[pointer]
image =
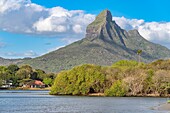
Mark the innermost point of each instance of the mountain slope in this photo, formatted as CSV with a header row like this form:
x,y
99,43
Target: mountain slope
x,y
104,44
5,62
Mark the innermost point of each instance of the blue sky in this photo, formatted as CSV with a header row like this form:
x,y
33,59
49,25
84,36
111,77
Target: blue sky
x,y
149,10
30,28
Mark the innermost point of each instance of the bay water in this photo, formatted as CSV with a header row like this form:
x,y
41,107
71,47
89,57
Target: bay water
x,y
25,101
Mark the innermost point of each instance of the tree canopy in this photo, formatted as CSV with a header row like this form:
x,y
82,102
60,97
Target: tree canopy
x,y
123,78
18,75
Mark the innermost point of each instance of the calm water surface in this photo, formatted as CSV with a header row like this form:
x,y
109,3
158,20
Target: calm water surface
x,y
40,102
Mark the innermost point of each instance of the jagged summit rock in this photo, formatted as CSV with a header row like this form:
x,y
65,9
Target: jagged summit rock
x,y
104,16
104,28
105,43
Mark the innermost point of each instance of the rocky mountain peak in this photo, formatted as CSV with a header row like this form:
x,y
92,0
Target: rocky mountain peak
x,y
105,15
105,29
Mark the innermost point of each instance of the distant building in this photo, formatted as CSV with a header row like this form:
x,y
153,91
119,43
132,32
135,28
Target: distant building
x,y
34,84
6,84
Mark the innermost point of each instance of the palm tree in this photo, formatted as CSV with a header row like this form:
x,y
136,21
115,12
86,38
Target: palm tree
x,y
139,52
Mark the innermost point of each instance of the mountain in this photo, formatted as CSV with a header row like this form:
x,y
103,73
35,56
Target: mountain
x,y
4,62
104,44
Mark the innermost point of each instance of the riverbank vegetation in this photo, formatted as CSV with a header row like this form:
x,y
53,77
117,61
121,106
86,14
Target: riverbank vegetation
x,y
14,76
123,78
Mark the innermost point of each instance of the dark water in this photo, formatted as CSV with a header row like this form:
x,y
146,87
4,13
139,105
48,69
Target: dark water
x,y
41,102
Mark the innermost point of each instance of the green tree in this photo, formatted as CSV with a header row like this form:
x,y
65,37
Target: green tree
x,y
117,89
13,68
124,78
81,80
1,82
148,83
34,76
51,75
40,74
4,73
48,81
24,72
139,52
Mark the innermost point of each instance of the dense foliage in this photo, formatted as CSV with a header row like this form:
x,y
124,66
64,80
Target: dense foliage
x,y
124,78
117,89
20,75
80,80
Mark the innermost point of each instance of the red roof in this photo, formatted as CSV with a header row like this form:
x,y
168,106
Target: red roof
x,y
35,82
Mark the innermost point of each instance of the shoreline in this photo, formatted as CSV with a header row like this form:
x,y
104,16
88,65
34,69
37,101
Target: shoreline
x,y
163,107
90,94
31,89
103,95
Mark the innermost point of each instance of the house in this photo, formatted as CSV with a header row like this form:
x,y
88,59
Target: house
x,y
34,84
6,84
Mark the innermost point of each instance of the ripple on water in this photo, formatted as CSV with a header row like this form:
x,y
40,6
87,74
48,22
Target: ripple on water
x,y
41,102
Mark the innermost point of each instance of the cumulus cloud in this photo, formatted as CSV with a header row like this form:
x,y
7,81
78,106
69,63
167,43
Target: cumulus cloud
x,y
9,5
63,21
158,32
23,16
18,15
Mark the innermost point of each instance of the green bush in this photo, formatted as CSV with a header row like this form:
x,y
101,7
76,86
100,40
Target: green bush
x,y
1,82
168,101
129,63
117,89
48,81
81,80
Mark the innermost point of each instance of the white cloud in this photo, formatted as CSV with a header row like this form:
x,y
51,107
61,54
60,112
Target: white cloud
x,y
20,15
158,32
64,21
128,24
29,53
77,29
9,5
23,16
154,31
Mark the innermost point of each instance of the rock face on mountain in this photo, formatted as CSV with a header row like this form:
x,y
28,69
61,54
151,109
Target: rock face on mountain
x,y
104,44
